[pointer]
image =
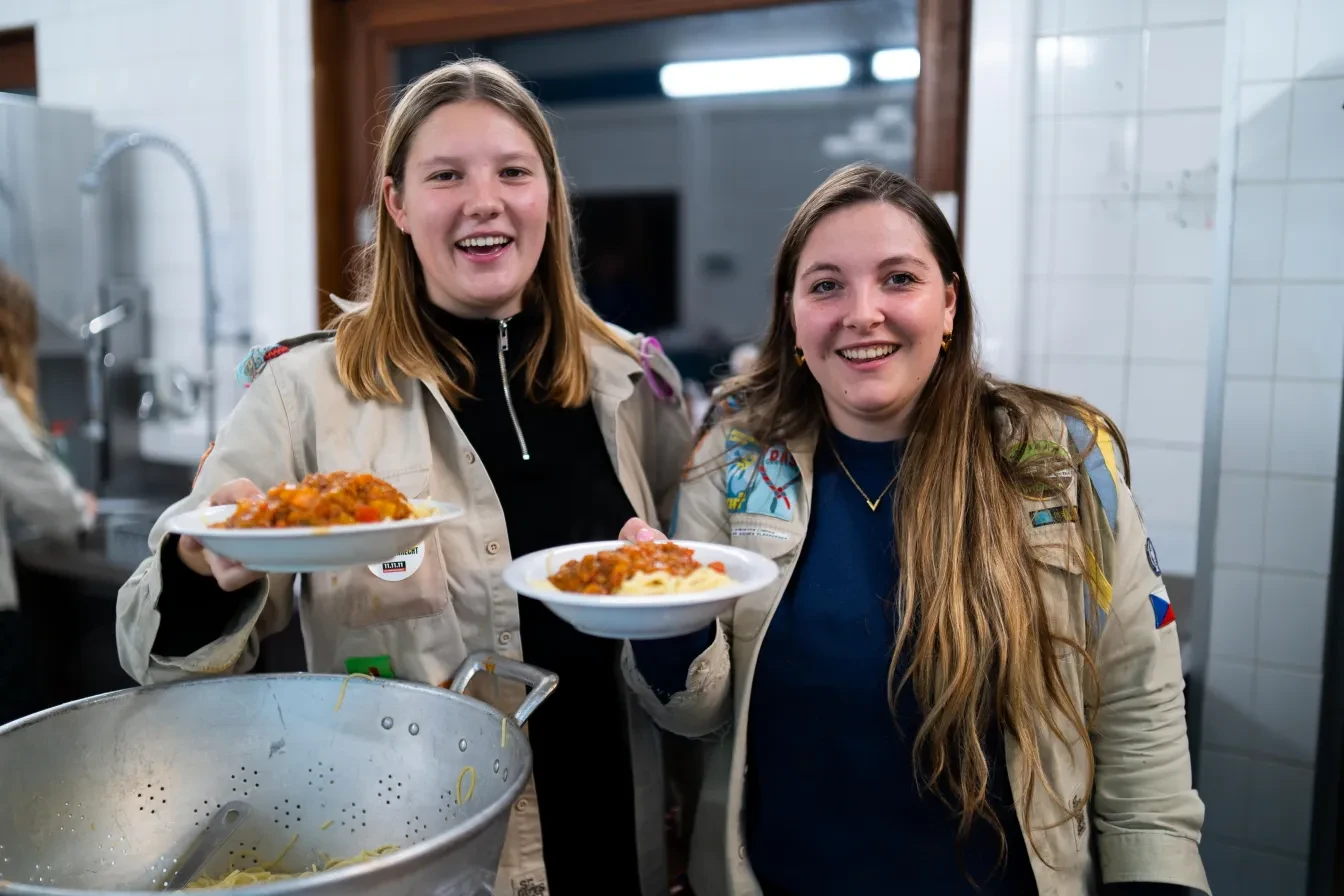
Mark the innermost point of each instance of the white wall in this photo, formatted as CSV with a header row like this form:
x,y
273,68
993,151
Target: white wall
x,y
230,81
1121,233
1089,221
995,240
1279,360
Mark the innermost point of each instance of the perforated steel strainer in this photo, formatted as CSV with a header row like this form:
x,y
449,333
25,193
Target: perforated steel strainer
x,y
106,794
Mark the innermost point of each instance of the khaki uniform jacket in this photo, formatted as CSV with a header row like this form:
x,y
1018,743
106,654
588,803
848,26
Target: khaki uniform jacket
x,y
1144,818
35,490
297,418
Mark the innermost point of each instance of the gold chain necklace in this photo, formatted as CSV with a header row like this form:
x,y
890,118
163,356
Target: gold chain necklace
x,y
871,502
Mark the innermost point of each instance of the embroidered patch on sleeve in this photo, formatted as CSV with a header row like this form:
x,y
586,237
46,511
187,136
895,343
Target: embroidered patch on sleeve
x,y
760,480
1048,516
1163,614
256,362
1152,558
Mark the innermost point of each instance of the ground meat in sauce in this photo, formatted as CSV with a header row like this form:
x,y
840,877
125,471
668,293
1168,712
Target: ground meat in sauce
x,y
605,571
322,499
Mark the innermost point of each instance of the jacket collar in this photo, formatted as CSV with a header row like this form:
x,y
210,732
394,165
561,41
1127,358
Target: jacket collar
x,y
614,373
804,450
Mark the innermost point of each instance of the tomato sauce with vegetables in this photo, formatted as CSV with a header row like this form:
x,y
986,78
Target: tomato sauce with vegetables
x,y
605,571
322,499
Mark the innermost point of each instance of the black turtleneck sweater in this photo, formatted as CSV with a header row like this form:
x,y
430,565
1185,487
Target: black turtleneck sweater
x,y
566,491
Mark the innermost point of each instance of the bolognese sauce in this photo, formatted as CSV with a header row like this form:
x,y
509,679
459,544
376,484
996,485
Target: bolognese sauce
x,y
322,499
605,571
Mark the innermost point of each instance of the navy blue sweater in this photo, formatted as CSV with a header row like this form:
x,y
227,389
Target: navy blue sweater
x,y
832,804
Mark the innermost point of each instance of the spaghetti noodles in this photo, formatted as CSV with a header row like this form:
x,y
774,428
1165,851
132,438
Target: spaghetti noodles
x,y
471,789
262,874
341,699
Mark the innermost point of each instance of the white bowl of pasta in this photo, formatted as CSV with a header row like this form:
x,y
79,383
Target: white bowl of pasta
x,y
613,589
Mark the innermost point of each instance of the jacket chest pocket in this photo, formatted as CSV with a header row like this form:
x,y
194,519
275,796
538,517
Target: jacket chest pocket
x,y
411,585
770,539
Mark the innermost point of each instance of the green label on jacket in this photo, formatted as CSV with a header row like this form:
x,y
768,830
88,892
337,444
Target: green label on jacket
x,y
377,666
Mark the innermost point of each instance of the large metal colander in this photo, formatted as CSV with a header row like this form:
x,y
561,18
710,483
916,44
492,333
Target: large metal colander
x,y
106,794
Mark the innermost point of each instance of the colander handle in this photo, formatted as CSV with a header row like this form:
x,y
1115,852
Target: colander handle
x,y
539,680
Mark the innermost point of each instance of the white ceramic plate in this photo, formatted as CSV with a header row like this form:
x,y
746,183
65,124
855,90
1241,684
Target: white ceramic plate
x,y
312,548
640,617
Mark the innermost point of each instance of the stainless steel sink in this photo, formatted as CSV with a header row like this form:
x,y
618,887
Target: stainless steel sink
x,y
118,507
122,530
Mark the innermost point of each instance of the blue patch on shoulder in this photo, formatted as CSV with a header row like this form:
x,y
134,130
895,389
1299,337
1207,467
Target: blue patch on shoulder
x,y
760,480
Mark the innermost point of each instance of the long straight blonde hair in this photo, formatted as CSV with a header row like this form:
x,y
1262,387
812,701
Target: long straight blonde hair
x,y
18,343
972,615
388,329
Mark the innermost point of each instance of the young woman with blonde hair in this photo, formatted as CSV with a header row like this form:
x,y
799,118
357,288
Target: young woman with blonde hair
x,y
35,488
967,679
472,371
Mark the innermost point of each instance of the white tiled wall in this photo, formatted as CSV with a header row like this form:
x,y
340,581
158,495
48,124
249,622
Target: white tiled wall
x,y
1137,128
230,81
1121,212
1276,466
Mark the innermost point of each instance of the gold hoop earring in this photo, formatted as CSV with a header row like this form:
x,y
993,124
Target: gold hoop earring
x,y
947,342
798,357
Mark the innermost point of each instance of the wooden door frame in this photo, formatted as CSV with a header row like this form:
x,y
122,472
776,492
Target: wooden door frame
x,y
353,42
18,59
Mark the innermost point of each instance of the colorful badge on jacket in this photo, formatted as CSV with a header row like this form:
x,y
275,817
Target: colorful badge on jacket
x,y
1163,614
760,480
1152,558
259,356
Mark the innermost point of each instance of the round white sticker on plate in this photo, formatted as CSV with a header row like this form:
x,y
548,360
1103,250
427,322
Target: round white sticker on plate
x,y
402,566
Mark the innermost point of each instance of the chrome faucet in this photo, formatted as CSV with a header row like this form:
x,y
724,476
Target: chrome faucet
x,y
95,360
91,181
105,321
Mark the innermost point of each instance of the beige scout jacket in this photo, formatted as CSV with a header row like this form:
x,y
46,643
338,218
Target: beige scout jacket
x,y
296,419
1144,816
35,489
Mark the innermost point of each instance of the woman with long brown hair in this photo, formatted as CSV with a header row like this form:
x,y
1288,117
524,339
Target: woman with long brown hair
x,y
471,369
967,679
35,488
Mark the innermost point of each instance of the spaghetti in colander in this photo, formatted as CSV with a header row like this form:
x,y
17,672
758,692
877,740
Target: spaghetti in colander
x,y
262,874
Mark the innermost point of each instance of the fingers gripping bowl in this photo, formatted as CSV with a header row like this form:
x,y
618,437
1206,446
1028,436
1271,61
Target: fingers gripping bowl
x,y
327,521
613,589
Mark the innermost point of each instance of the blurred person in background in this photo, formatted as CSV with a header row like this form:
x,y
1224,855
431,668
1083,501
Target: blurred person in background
x,y
967,679
470,369
37,492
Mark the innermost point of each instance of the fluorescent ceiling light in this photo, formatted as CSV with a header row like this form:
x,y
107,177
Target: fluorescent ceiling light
x,y
900,64
721,77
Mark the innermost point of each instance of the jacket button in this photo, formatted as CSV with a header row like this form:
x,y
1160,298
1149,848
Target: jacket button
x,y
492,548
505,637
742,852
471,457
521,805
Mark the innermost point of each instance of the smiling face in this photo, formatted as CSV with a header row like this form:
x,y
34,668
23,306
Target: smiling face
x,y
474,201
869,311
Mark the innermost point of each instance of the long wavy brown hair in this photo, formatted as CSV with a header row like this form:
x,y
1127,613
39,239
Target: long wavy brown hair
x,y
972,620
389,330
18,343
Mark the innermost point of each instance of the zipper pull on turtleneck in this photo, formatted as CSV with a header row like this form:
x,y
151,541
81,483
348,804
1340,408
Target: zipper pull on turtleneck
x,y
504,377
